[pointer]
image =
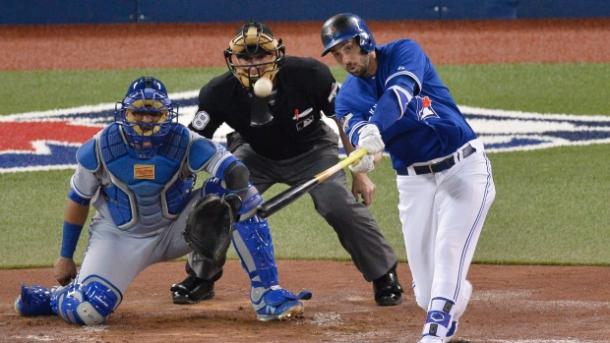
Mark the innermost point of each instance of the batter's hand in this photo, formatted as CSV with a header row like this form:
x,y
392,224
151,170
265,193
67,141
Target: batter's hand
x,y
365,165
64,270
370,139
363,187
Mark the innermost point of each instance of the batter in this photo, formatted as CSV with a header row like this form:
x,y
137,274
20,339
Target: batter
x,y
394,100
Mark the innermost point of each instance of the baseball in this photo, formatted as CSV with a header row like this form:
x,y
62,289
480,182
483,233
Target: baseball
x,y
263,87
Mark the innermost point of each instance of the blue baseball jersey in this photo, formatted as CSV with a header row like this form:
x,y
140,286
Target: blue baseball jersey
x,y
418,119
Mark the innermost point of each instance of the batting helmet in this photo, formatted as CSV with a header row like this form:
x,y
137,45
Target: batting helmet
x,y
344,27
146,114
251,41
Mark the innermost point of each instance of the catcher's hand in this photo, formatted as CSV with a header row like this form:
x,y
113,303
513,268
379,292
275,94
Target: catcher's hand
x,y
64,270
209,228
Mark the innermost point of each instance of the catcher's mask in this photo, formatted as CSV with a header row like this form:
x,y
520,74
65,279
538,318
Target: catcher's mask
x,y
254,53
146,114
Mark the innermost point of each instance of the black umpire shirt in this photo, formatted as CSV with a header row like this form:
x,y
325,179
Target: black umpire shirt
x,y
305,87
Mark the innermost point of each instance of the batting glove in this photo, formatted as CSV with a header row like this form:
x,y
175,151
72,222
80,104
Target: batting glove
x,y
370,139
365,165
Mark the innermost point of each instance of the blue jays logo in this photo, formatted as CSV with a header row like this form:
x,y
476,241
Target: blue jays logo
x,y
424,108
49,140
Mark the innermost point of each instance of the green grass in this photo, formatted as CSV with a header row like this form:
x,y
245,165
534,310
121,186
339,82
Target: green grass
x,y
557,88
43,90
551,205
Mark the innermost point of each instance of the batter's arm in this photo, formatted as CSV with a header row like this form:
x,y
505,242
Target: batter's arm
x,y
362,186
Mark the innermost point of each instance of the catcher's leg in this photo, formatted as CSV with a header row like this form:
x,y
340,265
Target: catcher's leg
x,y
252,241
87,303
34,300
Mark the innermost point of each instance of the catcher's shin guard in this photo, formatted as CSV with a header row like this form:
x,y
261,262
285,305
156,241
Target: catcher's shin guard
x,y
86,303
34,301
252,241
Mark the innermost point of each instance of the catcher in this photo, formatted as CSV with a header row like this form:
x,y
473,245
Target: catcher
x,y
139,173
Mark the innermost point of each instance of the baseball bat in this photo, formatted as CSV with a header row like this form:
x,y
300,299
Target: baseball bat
x,y
279,201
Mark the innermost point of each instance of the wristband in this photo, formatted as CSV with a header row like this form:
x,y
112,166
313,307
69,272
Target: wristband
x,y
71,232
78,199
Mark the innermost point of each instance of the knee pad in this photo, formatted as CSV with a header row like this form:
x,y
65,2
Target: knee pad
x,y
86,303
252,241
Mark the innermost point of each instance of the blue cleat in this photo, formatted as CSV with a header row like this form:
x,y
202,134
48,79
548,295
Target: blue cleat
x,y
277,303
34,301
465,298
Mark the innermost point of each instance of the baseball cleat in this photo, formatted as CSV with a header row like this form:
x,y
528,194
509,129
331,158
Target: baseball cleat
x,y
279,304
287,311
192,290
464,299
33,301
431,339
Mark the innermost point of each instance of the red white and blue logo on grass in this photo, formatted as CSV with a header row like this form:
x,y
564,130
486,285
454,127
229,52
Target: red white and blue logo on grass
x,y
49,139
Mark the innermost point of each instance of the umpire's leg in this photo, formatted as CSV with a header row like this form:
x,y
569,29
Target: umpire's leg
x,y
358,232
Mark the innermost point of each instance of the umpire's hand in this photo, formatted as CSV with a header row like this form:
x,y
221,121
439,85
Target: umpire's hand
x,y
64,270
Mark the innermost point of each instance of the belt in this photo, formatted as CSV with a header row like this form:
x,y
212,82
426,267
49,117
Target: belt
x,y
441,165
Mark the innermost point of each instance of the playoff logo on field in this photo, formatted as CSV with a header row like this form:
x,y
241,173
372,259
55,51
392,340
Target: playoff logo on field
x,y
49,140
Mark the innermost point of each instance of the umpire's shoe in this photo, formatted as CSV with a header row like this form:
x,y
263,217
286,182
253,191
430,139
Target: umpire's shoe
x,y
192,290
388,291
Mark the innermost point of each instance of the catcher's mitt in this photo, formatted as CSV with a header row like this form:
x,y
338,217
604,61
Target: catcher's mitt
x,y
209,228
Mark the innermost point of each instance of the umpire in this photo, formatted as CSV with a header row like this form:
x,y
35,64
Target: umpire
x,y
281,138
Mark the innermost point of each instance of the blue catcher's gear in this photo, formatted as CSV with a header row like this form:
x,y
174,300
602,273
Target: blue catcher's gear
x,y
34,301
86,303
344,27
146,115
244,202
252,241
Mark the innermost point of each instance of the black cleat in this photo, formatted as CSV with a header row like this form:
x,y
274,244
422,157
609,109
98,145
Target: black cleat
x,y
388,291
192,290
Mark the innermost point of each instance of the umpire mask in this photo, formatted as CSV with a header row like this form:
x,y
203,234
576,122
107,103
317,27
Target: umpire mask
x,y
254,53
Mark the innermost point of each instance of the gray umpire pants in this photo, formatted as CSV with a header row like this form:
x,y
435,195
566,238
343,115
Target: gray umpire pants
x,y
358,232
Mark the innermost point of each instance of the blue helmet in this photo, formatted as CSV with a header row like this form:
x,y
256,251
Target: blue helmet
x,y
344,27
146,115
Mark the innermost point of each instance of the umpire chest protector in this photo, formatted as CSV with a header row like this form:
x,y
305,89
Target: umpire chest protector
x,y
146,193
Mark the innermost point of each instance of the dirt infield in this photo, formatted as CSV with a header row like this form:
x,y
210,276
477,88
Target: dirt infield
x,y
509,304
525,304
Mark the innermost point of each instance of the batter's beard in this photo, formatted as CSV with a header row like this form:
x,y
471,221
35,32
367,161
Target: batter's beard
x,y
363,69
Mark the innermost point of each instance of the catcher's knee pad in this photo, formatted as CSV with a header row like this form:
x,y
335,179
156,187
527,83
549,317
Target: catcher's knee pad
x,y
87,303
252,241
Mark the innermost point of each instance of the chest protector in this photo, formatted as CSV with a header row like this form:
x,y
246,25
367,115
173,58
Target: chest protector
x,y
145,194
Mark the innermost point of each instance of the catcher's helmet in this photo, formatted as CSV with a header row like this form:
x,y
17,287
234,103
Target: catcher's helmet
x,y
146,114
343,27
253,40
